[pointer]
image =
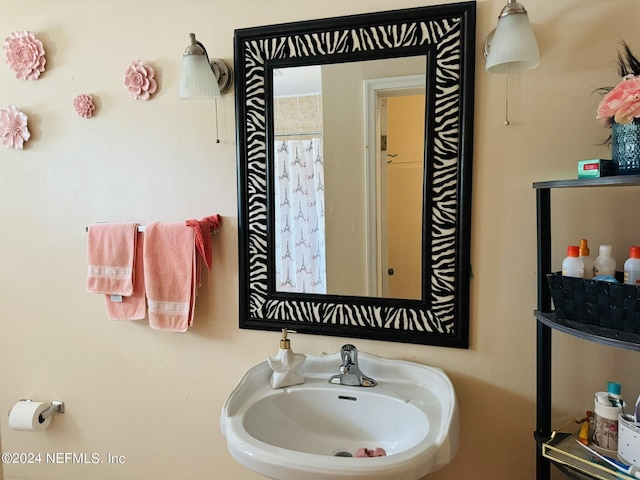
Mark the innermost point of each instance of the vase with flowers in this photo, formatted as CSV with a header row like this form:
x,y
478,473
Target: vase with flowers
x,y
619,110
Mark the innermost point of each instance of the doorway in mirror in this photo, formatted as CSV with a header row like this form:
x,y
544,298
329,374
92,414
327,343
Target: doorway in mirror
x,y
395,126
401,192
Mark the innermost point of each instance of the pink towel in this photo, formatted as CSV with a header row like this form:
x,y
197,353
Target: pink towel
x,y
133,307
111,251
203,229
170,271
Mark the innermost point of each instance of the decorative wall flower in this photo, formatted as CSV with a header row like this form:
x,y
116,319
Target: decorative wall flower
x,y
139,81
25,55
83,105
13,128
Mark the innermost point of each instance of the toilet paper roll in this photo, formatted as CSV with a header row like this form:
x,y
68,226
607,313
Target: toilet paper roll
x,y
25,415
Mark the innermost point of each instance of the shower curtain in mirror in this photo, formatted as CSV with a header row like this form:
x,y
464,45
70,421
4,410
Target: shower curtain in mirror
x,y
299,216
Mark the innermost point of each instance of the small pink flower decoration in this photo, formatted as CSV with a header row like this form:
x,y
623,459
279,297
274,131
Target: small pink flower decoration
x,y
13,128
622,103
139,81
25,55
84,105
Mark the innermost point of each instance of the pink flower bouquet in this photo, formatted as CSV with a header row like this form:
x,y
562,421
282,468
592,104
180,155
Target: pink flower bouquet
x,y
139,81
13,128
622,103
25,55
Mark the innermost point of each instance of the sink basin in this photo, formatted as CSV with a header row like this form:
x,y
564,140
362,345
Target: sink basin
x,y
310,430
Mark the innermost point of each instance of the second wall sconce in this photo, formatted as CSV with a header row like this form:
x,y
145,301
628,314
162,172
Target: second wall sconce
x,y
512,46
203,78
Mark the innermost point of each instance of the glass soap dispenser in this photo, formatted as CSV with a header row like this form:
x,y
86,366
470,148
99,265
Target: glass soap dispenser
x,y
285,364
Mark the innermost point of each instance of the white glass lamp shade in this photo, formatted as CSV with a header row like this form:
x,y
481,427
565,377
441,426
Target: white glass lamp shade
x,y
513,47
197,81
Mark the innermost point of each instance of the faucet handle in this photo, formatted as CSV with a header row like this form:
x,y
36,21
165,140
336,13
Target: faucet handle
x,y
350,373
349,354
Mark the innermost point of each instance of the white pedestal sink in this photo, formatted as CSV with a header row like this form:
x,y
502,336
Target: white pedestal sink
x,y
301,432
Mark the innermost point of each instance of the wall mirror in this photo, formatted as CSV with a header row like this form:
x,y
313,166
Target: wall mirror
x,y
355,139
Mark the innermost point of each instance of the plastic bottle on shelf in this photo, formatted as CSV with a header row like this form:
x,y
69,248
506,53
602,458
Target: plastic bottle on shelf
x,y
632,267
572,265
586,259
604,264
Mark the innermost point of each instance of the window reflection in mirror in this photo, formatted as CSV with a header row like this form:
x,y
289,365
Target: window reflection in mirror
x,y
347,190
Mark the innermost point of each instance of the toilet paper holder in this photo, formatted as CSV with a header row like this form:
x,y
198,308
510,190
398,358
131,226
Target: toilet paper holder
x,y
57,406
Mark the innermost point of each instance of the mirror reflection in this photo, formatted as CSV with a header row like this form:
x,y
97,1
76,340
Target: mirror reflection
x,y
348,192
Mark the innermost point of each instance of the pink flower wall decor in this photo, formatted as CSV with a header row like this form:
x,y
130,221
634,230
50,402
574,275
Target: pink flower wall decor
x,y
13,128
25,55
83,105
139,81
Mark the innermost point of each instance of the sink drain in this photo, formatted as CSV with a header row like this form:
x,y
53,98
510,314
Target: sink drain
x,y
343,454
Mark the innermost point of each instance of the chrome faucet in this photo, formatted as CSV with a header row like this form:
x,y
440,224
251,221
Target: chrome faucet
x,y
350,373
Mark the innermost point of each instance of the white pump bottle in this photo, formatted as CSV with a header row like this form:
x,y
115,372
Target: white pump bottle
x,y
285,365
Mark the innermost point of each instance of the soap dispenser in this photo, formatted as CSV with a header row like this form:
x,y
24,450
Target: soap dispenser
x,y
285,364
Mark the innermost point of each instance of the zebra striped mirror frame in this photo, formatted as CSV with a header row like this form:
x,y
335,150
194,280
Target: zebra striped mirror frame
x,y
445,34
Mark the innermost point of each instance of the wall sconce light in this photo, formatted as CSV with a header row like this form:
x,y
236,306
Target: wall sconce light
x,y
203,78
512,46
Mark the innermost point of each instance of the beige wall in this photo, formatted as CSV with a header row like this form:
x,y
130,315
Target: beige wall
x,y
346,181
155,397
